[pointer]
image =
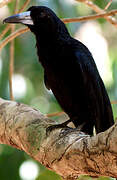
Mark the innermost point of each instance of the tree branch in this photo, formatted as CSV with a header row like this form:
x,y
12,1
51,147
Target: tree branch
x,y
67,151
65,20
10,25
11,64
4,3
99,10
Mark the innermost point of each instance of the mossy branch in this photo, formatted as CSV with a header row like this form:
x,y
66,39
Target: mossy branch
x,y
67,151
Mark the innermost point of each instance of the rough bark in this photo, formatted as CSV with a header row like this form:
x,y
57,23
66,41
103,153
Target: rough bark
x,y
67,151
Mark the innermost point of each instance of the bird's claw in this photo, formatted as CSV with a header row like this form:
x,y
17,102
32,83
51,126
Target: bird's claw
x,y
56,126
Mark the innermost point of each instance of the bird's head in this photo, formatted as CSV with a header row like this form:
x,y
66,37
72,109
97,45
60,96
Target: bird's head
x,y
39,19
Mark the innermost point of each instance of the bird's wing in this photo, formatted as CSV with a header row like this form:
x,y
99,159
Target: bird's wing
x,y
96,93
46,81
87,67
90,79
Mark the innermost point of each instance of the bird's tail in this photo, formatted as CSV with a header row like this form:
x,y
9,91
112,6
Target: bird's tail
x,y
106,115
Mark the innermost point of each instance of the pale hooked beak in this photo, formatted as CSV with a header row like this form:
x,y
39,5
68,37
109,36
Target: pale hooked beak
x,y
23,18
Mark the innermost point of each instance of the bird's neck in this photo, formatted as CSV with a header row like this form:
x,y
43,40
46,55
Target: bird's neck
x,y
50,43
48,39
44,41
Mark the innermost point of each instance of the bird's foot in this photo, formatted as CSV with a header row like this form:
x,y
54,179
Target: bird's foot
x,y
80,127
62,125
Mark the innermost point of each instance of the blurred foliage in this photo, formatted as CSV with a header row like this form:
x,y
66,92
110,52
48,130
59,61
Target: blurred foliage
x,y
27,65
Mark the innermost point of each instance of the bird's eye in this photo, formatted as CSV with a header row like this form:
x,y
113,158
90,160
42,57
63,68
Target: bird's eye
x,y
42,14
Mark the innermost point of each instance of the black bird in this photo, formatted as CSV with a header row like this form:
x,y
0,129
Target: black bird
x,y
69,70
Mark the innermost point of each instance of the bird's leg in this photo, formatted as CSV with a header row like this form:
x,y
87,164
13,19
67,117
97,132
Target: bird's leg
x,y
56,126
80,127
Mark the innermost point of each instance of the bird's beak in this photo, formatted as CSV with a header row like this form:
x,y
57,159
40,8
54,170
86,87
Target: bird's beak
x,y
23,18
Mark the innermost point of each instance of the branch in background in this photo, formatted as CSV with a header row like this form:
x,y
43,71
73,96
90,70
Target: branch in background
x,y
97,9
9,25
13,36
89,3
24,6
108,5
5,31
66,151
55,114
11,64
91,17
66,20
114,102
4,2
12,27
